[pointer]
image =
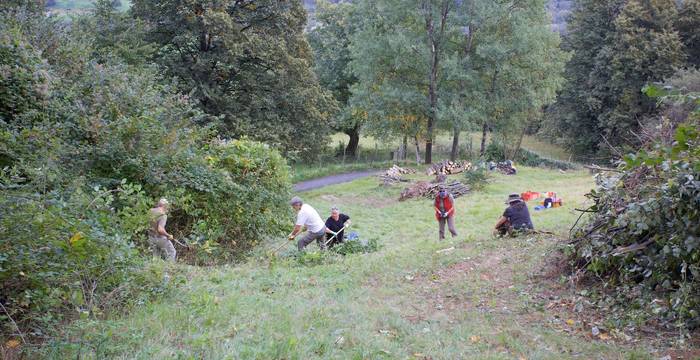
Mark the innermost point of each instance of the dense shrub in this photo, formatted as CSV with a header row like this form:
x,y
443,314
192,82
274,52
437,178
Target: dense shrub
x,y
477,177
643,239
494,152
87,145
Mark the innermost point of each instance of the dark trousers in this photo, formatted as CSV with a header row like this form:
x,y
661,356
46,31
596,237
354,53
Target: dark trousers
x,y
450,225
507,229
309,237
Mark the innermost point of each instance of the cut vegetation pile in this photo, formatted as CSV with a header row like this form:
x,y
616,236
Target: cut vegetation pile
x,y
643,240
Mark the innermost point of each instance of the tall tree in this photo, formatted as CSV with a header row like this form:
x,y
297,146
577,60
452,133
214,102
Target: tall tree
x,y
398,56
688,26
247,62
618,46
330,40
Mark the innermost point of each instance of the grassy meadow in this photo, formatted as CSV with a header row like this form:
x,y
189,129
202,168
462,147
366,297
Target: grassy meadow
x,y
473,296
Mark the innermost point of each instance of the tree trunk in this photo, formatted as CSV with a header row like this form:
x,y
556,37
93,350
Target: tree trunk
x,y
404,148
518,144
354,134
484,131
415,138
455,145
435,37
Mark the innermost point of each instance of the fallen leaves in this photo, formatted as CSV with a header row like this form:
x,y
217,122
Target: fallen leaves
x,y
12,343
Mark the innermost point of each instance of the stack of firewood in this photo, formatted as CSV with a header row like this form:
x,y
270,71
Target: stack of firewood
x,y
428,190
395,175
449,167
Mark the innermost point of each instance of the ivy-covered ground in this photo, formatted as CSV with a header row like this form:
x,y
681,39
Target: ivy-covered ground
x,y
415,298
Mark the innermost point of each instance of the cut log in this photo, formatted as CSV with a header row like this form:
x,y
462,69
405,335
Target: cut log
x,y
395,174
448,167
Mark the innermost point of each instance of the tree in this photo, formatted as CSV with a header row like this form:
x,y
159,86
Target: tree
x,y
246,62
330,40
398,56
618,46
643,48
688,25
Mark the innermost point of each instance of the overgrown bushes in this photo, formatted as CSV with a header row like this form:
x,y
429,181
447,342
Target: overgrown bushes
x,y
643,239
86,147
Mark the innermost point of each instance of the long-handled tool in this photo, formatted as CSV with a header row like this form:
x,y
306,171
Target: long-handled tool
x,y
281,246
187,246
335,235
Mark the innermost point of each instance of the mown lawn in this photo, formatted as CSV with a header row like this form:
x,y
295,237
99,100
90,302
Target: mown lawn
x,y
408,300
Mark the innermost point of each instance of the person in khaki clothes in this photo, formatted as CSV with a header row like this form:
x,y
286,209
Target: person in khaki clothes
x,y
158,238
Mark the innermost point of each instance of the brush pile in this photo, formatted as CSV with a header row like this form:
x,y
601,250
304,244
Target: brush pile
x,y
641,242
506,167
449,167
395,175
429,190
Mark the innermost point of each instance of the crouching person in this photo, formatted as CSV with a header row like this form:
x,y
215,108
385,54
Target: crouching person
x,y
307,217
158,238
335,226
516,217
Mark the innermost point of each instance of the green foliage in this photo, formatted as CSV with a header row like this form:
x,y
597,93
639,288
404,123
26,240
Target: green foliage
x,y
66,252
688,24
618,47
330,41
477,178
88,140
356,246
645,232
246,63
423,66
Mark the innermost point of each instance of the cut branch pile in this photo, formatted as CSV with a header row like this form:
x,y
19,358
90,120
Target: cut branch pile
x,y
449,167
395,175
428,190
506,168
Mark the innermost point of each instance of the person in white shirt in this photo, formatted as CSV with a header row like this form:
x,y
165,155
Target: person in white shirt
x,y
307,217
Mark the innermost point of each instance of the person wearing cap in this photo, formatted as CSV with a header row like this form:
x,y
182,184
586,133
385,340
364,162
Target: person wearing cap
x,y
515,218
307,217
335,224
158,238
445,211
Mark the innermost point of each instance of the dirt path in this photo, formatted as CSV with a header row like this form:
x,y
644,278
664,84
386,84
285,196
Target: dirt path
x,y
332,180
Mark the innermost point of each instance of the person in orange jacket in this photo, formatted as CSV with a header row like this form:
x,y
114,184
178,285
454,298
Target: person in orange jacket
x,y
445,211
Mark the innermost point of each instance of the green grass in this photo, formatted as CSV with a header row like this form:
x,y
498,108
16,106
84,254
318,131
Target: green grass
x,y
404,301
301,172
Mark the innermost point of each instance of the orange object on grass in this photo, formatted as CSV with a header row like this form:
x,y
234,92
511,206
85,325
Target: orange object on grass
x,y
529,195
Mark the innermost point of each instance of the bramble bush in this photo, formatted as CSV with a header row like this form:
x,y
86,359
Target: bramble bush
x,y
643,239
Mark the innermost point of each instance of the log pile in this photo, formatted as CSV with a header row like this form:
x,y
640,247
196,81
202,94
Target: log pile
x,y
428,190
395,175
449,167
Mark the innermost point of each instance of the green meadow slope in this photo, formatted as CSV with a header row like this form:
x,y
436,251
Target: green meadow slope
x,y
469,297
